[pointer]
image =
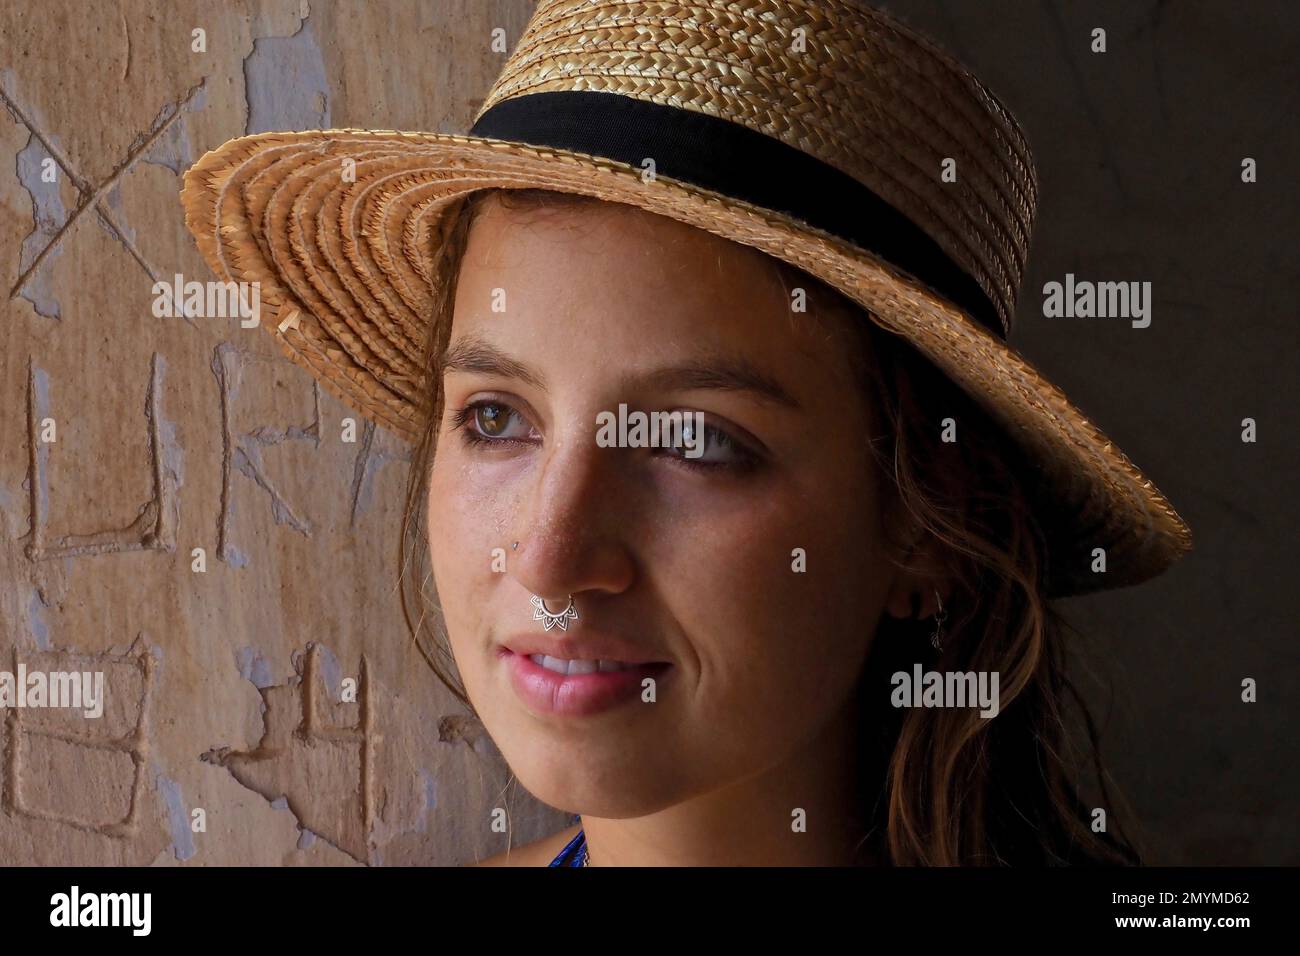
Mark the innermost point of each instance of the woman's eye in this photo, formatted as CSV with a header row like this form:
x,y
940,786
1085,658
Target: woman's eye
x,y
491,421
709,446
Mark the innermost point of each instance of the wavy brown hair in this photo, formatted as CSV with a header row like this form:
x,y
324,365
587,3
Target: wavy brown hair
x,y
940,786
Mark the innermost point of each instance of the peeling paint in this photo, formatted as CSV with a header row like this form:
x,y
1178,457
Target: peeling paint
x,y
430,799
41,390
253,667
178,819
173,148
332,672
113,199
8,510
48,216
48,211
36,620
363,486
285,84
243,453
364,474
306,839
297,757
170,454
368,462
247,459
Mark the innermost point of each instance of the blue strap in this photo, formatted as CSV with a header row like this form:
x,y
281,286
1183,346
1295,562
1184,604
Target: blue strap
x,y
571,855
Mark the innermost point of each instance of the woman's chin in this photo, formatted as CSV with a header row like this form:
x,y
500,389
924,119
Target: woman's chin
x,y
595,789
598,802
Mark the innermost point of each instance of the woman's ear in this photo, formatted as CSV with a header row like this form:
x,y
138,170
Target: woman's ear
x,y
922,581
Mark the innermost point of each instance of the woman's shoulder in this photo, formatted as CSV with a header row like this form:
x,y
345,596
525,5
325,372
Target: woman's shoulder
x,y
538,853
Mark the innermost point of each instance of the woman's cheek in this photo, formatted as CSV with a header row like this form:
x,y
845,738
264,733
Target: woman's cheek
x,y
746,597
802,565
462,534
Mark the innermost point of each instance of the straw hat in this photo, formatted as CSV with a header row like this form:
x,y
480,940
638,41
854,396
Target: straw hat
x,y
813,130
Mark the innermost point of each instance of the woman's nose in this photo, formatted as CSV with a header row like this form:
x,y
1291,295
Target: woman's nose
x,y
572,522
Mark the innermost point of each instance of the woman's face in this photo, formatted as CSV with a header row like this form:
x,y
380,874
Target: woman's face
x,y
748,580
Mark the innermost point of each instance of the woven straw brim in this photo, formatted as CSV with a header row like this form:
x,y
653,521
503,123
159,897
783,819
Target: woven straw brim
x,y
345,281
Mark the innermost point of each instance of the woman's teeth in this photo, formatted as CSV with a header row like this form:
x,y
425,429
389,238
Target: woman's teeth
x,y
578,667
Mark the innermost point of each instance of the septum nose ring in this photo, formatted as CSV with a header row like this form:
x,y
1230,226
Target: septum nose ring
x,y
550,620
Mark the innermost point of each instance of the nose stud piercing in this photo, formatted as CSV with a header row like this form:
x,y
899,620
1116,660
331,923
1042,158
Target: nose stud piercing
x,y
550,620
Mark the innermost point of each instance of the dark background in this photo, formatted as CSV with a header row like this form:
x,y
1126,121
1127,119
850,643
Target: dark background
x,y
1139,153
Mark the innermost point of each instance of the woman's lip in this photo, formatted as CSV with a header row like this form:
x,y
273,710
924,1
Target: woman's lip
x,y
575,695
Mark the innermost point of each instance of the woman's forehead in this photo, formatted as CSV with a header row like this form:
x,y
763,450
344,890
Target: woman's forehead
x,y
582,262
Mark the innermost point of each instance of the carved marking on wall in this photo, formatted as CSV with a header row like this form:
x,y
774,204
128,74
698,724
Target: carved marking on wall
x,y
30,736
303,754
154,529
369,460
90,195
243,452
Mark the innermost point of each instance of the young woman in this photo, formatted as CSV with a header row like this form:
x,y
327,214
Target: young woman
x,y
772,680
813,626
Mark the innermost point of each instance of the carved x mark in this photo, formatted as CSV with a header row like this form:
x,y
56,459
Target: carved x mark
x,y
91,196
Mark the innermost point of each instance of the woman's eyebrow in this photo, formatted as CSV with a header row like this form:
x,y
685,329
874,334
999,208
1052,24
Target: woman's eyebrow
x,y
719,372
471,354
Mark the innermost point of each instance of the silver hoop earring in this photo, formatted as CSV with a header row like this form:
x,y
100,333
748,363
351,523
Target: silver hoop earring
x,y
549,620
940,616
